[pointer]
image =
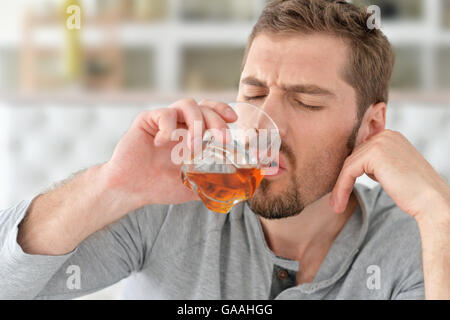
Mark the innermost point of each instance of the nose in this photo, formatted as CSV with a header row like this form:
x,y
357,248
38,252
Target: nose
x,y
273,106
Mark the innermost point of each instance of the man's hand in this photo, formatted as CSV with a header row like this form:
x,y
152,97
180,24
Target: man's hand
x,y
140,172
416,188
405,175
141,165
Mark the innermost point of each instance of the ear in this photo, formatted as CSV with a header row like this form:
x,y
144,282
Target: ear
x,y
374,122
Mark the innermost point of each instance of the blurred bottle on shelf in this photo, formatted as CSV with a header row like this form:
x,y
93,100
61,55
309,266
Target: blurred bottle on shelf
x,y
109,9
217,10
211,68
73,50
148,10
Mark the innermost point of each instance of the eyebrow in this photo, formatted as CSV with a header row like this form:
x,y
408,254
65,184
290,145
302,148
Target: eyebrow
x,y
299,88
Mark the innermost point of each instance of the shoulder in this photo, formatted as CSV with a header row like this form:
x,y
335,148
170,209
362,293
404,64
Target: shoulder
x,y
386,220
392,241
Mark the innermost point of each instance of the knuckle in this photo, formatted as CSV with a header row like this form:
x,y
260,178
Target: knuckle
x,y
222,106
391,133
216,105
205,102
381,137
189,101
388,133
141,114
211,116
377,148
213,120
144,115
347,164
168,112
389,136
184,103
398,134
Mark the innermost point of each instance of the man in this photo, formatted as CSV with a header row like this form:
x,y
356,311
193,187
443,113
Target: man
x,y
308,232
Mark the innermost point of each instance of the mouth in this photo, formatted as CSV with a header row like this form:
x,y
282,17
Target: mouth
x,y
282,168
282,164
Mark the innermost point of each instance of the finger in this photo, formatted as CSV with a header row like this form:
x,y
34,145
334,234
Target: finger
x,y
371,176
352,169
166,121
189,113
223,109
215,125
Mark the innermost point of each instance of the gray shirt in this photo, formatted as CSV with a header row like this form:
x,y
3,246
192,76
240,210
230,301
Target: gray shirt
x,y
188,252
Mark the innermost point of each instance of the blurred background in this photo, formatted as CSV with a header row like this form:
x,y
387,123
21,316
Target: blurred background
x,y
67,96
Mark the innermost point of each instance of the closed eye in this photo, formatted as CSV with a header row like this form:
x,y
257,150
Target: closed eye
x,y
254,98
314,108
309,107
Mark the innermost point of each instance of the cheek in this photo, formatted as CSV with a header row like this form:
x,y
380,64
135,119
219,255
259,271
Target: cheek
x,y
322,129
319,140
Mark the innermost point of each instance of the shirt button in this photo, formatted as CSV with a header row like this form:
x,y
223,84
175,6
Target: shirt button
x,y
282,274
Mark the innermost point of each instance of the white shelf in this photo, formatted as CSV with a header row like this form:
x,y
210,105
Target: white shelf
x,y
131,34
187,33
211,34
168,38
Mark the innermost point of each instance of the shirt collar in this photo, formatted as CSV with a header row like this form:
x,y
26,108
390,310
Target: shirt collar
x,y
342,252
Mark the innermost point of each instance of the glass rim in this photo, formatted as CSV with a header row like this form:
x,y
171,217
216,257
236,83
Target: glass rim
x,y
235,103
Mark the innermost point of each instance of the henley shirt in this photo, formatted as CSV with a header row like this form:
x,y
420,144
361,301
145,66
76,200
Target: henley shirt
x,y
188,252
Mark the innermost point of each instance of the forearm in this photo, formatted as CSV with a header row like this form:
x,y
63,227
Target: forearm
x,y
435,235
58,221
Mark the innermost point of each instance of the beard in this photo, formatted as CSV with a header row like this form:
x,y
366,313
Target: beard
x,y
298,193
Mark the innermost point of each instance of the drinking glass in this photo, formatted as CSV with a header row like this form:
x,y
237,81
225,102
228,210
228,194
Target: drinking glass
x,y
231,164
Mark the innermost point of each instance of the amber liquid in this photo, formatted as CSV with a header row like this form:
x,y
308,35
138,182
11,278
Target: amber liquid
x,y
230,188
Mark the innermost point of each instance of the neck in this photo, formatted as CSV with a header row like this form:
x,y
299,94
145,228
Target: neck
x,y
315,227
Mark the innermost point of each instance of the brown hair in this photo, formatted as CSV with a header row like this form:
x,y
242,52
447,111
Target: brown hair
x,y
371,57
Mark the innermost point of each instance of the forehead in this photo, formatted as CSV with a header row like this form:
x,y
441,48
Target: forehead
x,y
318,58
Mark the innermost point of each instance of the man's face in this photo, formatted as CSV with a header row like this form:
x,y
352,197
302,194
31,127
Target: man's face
x,y
298,81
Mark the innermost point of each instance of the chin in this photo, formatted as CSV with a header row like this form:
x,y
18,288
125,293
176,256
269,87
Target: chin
x,y
276,200
273,184
269,190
